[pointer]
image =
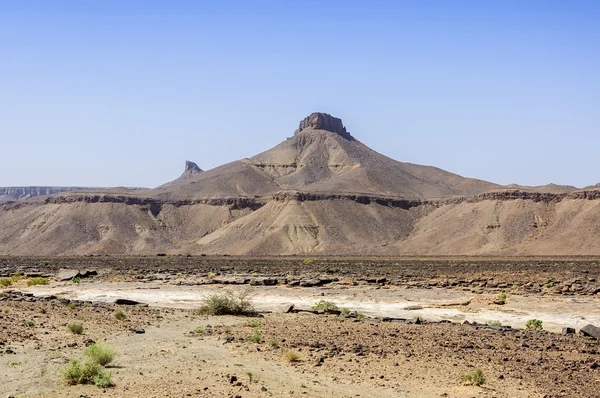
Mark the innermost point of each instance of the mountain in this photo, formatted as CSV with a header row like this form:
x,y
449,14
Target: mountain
x,y
320,191
322,157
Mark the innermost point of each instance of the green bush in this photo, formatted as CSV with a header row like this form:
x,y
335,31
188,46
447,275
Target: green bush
x,y
495,323
475,377
325,306
534,324
103,380
100,353
29,324
228,304
5,282
501,299
307,261
120,315
87,372
256,336
43,310
76,328
38,280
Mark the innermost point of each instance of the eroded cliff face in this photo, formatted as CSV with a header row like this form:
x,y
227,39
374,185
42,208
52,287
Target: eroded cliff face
x,y
504,223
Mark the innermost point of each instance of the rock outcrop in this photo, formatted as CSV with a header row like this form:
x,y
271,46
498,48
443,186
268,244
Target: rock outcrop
x,y
323,121
191,169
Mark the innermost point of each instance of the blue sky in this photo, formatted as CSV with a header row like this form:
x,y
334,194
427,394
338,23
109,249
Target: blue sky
x,y
108,93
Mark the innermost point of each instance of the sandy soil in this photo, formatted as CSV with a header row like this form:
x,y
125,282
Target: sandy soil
x,y
161,355
339,357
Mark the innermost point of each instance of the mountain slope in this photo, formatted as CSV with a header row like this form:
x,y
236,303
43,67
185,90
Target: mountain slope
x,y
322,157
320,191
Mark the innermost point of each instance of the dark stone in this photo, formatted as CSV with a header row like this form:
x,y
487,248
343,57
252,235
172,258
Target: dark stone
x,y
123,301
591,331
323,121
67,274
88,272
568,330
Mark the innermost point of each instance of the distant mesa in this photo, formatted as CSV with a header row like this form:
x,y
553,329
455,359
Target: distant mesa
x,y
323,121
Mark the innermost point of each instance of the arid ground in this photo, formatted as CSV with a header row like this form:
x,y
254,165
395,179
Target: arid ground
x,y
414,326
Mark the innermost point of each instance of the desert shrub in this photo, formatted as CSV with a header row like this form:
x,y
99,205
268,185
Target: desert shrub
x,y
103,380
291,356
344,312
325,306
38,280
495,323
211,275
253,323
255,337
29,323
120,315
76,327
534,324
501,298
308,261
100,353
273,343
475,377
5,282
72,306
227,304
87,372
43,310
76,279
16,277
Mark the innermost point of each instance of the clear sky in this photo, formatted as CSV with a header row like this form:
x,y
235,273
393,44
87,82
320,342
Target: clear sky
x,y
109,93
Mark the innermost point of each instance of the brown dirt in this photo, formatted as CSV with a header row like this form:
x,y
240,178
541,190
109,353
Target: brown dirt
x,y
339,357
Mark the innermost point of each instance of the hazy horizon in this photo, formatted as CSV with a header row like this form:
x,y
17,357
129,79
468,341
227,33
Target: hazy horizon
x,y
122,93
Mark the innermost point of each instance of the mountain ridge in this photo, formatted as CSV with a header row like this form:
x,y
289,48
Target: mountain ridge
x,y
321,191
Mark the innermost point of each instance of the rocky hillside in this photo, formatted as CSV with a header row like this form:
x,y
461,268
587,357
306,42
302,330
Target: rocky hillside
x,y
320,191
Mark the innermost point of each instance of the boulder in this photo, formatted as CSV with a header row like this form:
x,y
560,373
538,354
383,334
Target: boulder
x,y
124,301
591,331
65,274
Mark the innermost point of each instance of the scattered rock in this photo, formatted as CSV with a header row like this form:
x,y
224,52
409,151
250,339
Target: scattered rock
x,y
568,330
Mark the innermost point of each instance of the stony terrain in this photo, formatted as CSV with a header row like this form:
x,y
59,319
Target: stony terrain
x,y
175,353
555,276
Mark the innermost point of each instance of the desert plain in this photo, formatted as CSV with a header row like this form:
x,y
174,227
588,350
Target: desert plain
x,y
400,327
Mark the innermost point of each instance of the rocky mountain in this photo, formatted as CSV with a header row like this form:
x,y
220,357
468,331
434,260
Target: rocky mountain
x,y
321,191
